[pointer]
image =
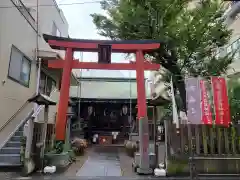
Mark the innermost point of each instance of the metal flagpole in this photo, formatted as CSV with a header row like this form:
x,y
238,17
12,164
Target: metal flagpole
x,y
80,88
130,108
78,100
30,123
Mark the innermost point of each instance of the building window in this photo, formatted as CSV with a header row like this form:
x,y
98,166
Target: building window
x,y
55,31
47,84
19,67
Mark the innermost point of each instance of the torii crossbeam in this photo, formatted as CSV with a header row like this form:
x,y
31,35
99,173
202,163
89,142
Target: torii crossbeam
x,y
104,47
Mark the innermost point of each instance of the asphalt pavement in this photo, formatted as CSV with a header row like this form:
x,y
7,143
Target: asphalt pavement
x,y
122,178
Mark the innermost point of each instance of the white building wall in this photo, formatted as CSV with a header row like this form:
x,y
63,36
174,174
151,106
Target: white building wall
x,y
18,28
49,14
14,30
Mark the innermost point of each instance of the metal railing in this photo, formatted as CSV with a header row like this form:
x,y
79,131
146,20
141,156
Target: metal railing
x,y
32,114
14,115
25,12
59,10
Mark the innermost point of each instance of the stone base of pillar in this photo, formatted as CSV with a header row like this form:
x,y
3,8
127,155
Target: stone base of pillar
x,y
144,171
29,166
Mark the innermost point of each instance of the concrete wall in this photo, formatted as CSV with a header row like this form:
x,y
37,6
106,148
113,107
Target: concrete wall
x,y
49,14
18,28
14,30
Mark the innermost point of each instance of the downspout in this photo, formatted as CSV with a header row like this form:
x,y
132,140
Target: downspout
x,y
38,60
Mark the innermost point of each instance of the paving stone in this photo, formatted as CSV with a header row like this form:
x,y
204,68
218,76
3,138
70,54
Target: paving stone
x,y
101,164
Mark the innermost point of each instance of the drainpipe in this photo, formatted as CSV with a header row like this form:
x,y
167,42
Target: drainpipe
x,y
28,163
38,60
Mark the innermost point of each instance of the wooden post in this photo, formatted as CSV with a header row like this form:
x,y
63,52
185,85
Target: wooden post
x,y
197,135
166,125
219,140
155,134
233,140
205,140
190,150
211,132
44,134
226,140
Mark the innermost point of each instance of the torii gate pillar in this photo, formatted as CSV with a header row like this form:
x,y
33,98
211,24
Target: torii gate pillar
x,y
137,47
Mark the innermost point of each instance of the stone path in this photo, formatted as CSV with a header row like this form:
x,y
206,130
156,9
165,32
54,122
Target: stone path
x,y
121,178
126,164
75,166
101,163
9,173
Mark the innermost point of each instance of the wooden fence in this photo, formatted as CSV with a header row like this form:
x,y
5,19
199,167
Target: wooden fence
x,y
216,149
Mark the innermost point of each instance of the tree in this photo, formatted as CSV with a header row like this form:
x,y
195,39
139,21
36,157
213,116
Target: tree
x,y
189,36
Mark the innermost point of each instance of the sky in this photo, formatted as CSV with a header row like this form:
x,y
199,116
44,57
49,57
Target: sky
x,y
82,27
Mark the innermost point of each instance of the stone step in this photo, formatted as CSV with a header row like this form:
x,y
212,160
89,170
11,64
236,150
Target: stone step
x,y
21,128
10,158
13,144
9,165
10,150
19,133
16,138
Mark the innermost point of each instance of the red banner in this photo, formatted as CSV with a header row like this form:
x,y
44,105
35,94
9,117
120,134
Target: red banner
x,y
206,109
221,104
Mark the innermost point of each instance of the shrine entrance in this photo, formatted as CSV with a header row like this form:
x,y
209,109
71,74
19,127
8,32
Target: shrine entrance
x,y
105,48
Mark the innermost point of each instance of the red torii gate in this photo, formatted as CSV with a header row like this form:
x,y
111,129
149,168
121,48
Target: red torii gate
x,y
104,48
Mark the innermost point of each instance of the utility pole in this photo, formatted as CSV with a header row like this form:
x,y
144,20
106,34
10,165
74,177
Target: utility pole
x,y
29,165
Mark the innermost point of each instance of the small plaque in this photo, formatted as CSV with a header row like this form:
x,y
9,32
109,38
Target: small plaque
x,y
104,53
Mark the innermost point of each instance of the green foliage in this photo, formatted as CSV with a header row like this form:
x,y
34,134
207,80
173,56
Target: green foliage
x,y
176,167
58,148
234,98
189,36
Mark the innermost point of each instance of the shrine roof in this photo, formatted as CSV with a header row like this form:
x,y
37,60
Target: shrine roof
x,y
107,89
48,38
